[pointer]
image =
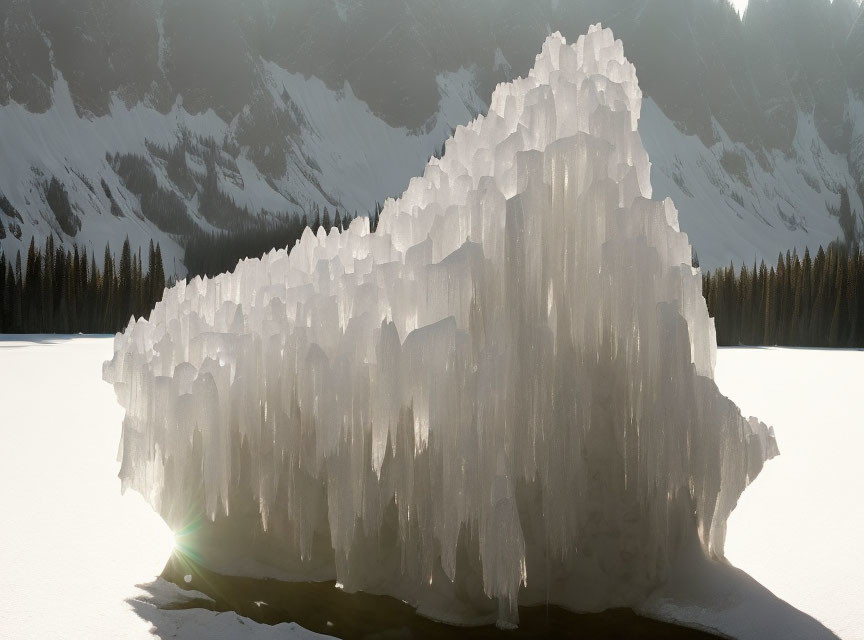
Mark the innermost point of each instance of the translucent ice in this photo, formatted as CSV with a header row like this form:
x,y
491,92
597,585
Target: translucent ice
x,y
502,396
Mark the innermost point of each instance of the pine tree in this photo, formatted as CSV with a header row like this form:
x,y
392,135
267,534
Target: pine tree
x,y
3,303
17,299
124,284
769,308
859,294
377,216
46,301
325,220
816,327
157,276
77,301
27,297
738,291
91,307
800,282
787,300
835,333
852,300
11,303
107,294
137,285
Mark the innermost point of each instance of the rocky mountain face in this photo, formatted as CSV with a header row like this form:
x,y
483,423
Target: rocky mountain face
x,y
152,118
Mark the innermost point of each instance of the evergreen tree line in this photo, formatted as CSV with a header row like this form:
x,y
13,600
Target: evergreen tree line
x,y
211,253
61,290
57,290
797,302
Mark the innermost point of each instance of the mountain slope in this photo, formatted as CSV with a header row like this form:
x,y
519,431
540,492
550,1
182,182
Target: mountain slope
x,y
149,118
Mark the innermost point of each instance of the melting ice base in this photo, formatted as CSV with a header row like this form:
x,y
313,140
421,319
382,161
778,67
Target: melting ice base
x,y
502,396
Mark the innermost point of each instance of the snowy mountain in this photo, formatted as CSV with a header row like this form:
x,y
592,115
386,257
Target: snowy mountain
x,y
149,118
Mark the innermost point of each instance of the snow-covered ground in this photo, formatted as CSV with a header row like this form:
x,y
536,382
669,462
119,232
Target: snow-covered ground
x,y
797,529
72,549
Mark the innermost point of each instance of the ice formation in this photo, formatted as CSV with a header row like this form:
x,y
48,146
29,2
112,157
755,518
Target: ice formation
x,y
504,395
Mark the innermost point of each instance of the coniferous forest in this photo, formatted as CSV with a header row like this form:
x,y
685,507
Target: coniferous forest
x,y
810,302
57,290
208,254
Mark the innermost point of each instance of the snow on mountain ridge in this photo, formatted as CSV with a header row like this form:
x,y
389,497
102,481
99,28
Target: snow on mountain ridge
x,y
737,210
389,77
336,135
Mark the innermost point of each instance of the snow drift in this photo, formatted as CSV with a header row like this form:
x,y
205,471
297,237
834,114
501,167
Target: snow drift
x,y
504,395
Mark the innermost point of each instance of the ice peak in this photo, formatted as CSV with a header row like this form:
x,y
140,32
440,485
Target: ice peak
x,y
507,386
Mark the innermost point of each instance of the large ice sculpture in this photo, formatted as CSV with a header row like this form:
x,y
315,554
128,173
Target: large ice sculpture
x,y
502,396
